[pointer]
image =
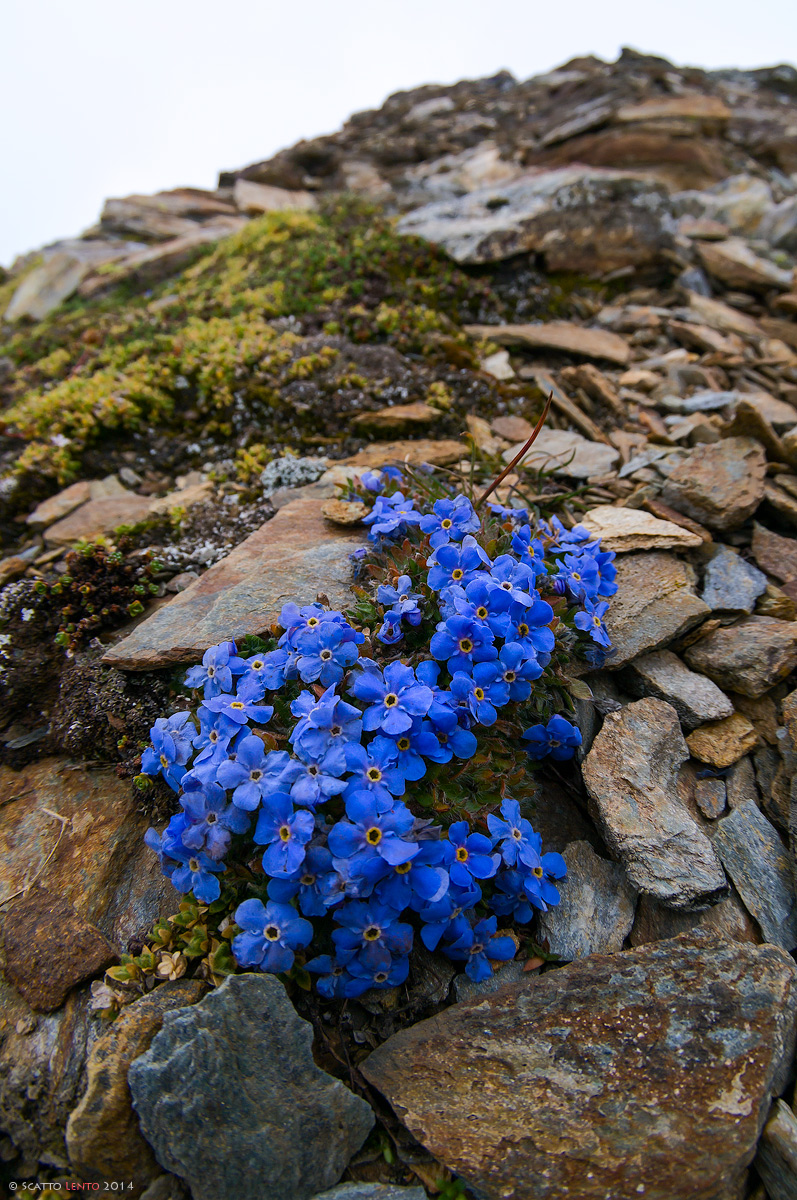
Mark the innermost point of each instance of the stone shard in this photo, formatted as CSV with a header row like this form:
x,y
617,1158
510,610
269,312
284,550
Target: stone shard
x,y
733,263
775,554
722,743
292,557
254,198
371,1191
748,657
694,697
728,920
757,861
49,949
631,774
380,454
596,911
558,335
565,453
398,418
102,1134
231,1101
626,529
55,507
98,517
46,287
720,485
655,603
647,1073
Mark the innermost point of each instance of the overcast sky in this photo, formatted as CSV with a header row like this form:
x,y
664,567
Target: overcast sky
x,y
103,99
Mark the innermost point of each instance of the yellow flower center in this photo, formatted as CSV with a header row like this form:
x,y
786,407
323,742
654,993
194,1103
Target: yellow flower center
x,y
537,871
271,933
478,693
391,700
164,761
462,854
237,704
481,612
445,524
372,933
510,676
465,645
374,774
403,743
285,833
404,868
373,836
523,629
457,574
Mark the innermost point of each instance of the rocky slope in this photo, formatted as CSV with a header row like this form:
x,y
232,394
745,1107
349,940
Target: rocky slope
x,y
621,236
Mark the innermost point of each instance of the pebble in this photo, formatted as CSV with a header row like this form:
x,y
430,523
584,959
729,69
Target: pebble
x,y
596,911
565,453
655,603
626,529
711,797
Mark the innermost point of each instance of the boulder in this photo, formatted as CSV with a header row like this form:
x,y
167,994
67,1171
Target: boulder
x,y
626,529
776,1160
735,265
748,657
722,743
46,287
565,453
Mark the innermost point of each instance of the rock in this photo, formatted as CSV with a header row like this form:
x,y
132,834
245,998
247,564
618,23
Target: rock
x,y
291,557
498,365
558,335
722,317
514,429
231,1101
182,498
625,529
655,603
503,973
777,413
776,1160
731,584
757,862
102,1135
775,554
100,865
722,743
690,1034
599,388
46,287
253,198
695,698
565,453
381,454
728,920
97,518
371,1191
49,949
579,218
779,228
719,485
661,108
748,657
59,506
630,774
483,437
733,263
596,911
399,418
147,267
344,512
711,797
782,502
12,567
165,215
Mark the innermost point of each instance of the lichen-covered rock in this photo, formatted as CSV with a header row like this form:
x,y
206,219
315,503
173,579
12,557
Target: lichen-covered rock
x,y
720,485
230,1099
655,603
647,1073
630,774
748,657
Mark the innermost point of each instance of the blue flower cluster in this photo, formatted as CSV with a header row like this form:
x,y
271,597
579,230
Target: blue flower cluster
x,y
328,816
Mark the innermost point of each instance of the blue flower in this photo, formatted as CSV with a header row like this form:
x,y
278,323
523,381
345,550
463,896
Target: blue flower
x,y
376,967
401,599
517,515
463,642
372,831
194,873
309,883
172,746
513,578
390,514
284,832
608,572
537,885
472,696
517,668
366,923
219,664
265,672
168,845
334,981
271,934
327,722
529,550
411,745
445,919
240,708
579,572
394,697
482,602
390,630
558,738
513,902
451,519
591,621
212,819
473,857
518,840
309,618
325,655
456,564
374,770
453,741
253,773
313,780
215,733
530,628
421,881
479,947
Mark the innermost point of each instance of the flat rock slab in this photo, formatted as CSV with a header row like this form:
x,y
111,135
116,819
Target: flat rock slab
x,y
719,485
293,556
54,508
49,949
626,529
380,454
694,697
559,335
631,776
98,517
230,1099
655,603
757,861
647,1073
596,912
775,554
748,657
372,1191
566,453
722,743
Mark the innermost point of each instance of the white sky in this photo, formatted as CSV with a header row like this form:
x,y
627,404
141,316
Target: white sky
x,y
101,98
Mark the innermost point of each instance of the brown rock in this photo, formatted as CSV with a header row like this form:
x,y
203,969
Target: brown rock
x,y
722,317
380,454
782,502
49,949
58,506
598,387
483,436
662,674
626,529
695,106
399,418
514,429
164,215
150,266
12,568
711,797
733,263
292,557
728,920
253,198
722,743
46,287
748,657
655,603
775,554
344,512
103,1136
647,1073
558,335
630,774
719,485
97,518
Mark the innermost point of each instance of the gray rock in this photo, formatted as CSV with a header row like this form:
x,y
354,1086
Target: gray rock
x,y
630,774
757,861
566,453
694,697
728,920
655,603
748,657
779,226
720,485
776,1161
46,287
711,797
731,584
596,911
371,1191
646,1073
472,989
230,1099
